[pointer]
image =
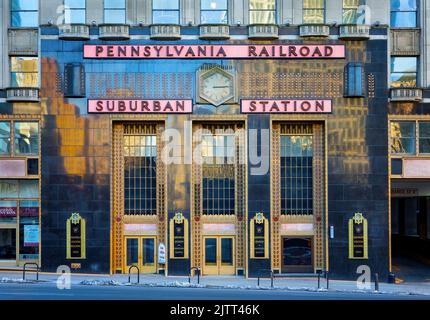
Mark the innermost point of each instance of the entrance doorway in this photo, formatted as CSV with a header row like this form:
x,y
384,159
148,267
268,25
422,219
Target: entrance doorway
x,y
140,252
297,255
8,245
218,255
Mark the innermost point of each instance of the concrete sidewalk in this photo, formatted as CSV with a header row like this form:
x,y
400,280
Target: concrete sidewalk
x,y
222,282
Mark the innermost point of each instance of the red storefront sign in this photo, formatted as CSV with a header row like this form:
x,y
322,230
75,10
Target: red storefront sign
x,y
164,51
286,106
7,212
140,106
29,211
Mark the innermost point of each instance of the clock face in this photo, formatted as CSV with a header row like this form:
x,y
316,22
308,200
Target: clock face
x,y
217,87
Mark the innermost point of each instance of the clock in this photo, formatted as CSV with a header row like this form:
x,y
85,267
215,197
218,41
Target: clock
x,y
216,85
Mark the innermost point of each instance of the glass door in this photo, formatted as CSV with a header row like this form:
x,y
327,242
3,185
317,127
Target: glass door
x,y
140,252
219,256
148,264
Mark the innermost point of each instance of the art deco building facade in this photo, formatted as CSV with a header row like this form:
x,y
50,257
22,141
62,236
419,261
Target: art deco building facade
x,y
239,137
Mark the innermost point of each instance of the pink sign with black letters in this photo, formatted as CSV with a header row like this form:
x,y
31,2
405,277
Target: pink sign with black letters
x,y
184,51
286,106
140,106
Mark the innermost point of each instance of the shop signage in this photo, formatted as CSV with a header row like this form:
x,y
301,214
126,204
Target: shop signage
x,y
140,106
31,235
404,192
29,211
7,212
162,253
286,106
164,51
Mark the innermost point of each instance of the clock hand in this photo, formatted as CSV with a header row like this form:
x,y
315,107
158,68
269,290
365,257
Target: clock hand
x,y
219,87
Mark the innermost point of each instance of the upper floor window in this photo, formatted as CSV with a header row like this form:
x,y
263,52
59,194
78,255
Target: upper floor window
x,y
404,72
351,13
74,11
262,11
313,11
24,13
26,140
114,11
5,138
165,11
24,71
213,11
403,137
424,136
403,13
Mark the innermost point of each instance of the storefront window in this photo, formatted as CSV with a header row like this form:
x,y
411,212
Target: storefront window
x,y
313,11
74,11
29,230
24,13
213,11
404,72
4,138
296,175
351,14
262,11
424,134
403,13
403,137
19,189
8,211
165,11
24,71
8,189
7,244
114,11
26,137
28,189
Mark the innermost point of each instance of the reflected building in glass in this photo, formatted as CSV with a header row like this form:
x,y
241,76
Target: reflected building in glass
x,y
237,137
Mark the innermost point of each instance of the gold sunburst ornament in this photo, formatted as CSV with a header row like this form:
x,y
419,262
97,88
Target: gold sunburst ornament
x,y
358,218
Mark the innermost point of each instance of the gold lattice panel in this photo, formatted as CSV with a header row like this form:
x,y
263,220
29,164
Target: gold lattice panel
x,y
276,196
240,197
319,195
161,187
196,197
117,197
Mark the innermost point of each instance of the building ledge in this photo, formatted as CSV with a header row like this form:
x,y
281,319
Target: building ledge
x,y
314,30
22,94
74,32
263,31
354,32
406,94
114,31
23,41
214,31
165,32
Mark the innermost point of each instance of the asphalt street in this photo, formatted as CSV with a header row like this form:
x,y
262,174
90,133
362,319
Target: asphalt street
x,y
49,291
